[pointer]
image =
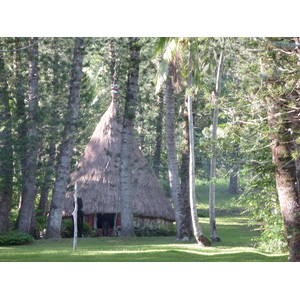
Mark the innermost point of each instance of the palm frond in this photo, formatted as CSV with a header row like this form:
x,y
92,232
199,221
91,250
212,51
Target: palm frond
x,y
168,55
161,75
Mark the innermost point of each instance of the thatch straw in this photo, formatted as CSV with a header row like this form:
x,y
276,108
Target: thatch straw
x,y
98,173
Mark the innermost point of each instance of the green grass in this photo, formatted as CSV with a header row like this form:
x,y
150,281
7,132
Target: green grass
x,y
236,246
236,241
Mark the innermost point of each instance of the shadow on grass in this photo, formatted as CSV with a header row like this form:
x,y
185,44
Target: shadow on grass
x,y
236,246
146,256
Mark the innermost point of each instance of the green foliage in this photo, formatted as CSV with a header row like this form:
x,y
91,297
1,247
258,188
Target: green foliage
x,y
40,221
243,134
14,238
155,231
224,200
260,199
67,229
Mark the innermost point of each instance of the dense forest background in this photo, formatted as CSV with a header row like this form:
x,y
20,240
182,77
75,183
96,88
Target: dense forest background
x,y
48,113
122,19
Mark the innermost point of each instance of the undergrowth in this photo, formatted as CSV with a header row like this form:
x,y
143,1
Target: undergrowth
x,y
14,238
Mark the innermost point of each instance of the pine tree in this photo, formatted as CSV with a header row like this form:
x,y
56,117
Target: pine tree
x,y
6,150
66,148
29,189
131,103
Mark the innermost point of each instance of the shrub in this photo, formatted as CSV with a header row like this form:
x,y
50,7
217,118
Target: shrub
x,y
67,229
155,231
14,238
261,201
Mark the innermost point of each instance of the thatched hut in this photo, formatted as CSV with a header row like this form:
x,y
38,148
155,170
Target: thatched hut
x,y
98,173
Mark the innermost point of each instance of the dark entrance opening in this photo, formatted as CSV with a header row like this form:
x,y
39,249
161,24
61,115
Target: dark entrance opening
x,y
105,222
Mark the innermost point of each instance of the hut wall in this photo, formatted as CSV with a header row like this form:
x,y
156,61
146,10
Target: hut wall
x,y
142,222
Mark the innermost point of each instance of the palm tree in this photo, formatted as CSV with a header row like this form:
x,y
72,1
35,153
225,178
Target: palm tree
x,y
175,50
199,236
215,96
182,229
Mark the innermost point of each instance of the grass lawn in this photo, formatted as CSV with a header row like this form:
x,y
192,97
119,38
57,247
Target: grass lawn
x,y
236,244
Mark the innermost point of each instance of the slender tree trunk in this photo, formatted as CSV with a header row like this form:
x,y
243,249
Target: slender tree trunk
x,y
212,188
75,217
234,156
112,58
158,134
6,152
181,227
29,189
51,138
185,168
66,148
233,180
19,91
127,139
140,126
199,236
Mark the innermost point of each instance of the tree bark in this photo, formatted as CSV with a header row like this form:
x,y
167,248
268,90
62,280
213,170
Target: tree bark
x,y
212,195
158,134
233,180
283,118
181,227
19,90
6,152
29,188
66,148
286,183
185,170
47,183
74,214
112,58
127,139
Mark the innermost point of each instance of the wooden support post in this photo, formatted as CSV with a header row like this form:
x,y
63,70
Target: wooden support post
x,y
75,217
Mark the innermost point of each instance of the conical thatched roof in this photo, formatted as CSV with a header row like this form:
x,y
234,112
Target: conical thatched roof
x,y
97,175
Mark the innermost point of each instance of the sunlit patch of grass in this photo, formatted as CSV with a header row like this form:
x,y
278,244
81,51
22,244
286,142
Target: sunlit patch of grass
x,y
235,245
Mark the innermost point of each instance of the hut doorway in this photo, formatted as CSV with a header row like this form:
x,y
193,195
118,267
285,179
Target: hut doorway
x,y
105,224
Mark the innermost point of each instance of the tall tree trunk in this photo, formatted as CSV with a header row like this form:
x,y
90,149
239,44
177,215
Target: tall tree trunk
x,y
66,148
285,176
51,138
6,152
181,227
47,183
127,139
199,236
234,156
29,189
112,58
140,126
283,112
19,91
184,170
233,180
212,188
158,133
